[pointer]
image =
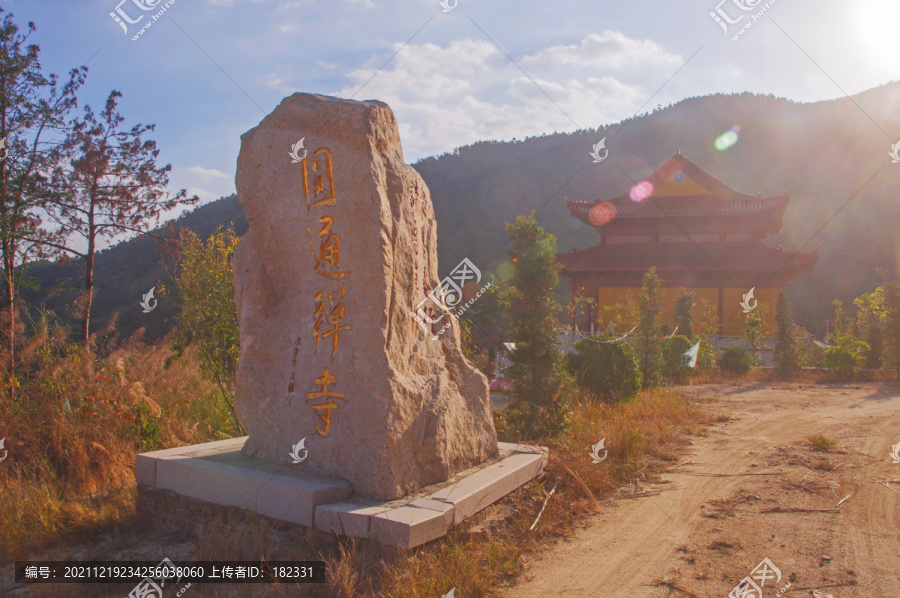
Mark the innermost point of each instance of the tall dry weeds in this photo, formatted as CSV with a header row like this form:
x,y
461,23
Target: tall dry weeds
x,y
76,424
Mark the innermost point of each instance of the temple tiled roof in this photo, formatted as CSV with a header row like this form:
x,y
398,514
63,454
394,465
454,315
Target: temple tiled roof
x,y
691,257
681,189
675,207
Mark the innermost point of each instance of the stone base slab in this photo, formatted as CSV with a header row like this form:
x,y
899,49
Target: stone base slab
x,y
219,474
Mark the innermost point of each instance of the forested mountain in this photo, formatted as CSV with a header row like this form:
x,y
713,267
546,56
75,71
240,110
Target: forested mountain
x,y
831,155
125,272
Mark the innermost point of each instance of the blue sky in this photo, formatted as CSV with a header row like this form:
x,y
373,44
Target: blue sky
x,y
209,70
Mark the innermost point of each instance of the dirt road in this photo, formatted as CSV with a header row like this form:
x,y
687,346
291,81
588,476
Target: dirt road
x,y
755,489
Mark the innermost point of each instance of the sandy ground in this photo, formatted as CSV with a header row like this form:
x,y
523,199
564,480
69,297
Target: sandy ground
x,y
754,489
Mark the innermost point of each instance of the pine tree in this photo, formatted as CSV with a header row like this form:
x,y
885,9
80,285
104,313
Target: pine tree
x,y
107,183
33,108
787,352
647,339
530,308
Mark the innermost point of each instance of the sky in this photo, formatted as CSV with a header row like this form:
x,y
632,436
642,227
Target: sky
x,y
207,71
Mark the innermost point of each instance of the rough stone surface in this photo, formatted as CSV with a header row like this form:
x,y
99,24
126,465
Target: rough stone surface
x,y
412,410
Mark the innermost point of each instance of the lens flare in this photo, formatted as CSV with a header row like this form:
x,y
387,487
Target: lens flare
x,y
641,191
728,138
602,213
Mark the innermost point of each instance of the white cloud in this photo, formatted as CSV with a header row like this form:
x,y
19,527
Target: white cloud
x,y
283,79
205,196
206,174
207,183
466,91
609,50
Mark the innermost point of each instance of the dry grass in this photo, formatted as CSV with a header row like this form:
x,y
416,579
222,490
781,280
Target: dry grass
x,y
821,442
75,426
70,473
492,548
640,436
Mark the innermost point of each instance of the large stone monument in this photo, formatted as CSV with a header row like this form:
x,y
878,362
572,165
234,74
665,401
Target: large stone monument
x,y
364,419
342,247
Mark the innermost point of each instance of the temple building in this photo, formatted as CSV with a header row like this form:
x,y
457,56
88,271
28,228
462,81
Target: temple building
x,y
699,234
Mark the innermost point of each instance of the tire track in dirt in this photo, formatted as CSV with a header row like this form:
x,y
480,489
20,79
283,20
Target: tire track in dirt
x,y
681,536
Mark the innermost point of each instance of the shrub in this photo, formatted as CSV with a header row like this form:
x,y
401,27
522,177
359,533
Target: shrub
x,y
847,358
674,348
607,369
208,316
735,360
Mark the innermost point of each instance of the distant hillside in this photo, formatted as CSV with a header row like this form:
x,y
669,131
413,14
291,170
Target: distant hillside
x,y
825,153
126,271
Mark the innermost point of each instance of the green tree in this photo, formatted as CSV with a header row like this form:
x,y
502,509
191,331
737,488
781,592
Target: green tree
x,y
890,322
208,317
753,326
878,320
684,314
530,309
841,323
787,350
647,341
706,327
869,322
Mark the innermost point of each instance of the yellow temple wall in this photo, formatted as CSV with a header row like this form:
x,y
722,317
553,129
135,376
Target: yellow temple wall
x,y
733,316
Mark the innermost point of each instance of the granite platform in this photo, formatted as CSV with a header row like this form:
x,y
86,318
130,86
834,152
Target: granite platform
x,y
219,474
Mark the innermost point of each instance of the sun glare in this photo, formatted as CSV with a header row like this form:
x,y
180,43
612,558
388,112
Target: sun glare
x,y
876,25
